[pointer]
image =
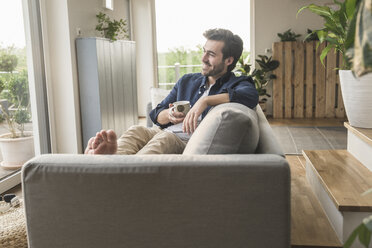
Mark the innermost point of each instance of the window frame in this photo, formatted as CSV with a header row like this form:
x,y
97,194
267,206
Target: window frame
x,y
37,86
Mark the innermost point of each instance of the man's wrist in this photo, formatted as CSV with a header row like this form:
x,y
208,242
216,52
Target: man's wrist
x,y
205,100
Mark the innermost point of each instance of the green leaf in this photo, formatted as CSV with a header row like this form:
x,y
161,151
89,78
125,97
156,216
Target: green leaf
x,y
321,35
352,237
272,65
350,35
324,53
350,7
364,236
333,41
241,60
368,223
367,192
301,9
323,11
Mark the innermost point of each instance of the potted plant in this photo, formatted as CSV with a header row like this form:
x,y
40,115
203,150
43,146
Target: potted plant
x,y
311,36
261,76
17,146
288,36
111,29
339,33
361,54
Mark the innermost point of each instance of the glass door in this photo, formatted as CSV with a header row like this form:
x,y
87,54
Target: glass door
x,y
24,129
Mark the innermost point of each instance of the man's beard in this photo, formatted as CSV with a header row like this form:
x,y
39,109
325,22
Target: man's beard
x,y
215,71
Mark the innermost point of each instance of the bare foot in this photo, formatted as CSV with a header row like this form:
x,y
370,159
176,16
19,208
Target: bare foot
x,y
103,143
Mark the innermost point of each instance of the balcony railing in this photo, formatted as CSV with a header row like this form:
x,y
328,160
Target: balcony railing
x,y
177,70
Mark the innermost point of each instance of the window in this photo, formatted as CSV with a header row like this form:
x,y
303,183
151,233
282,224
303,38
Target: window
x,y
179,29
21,69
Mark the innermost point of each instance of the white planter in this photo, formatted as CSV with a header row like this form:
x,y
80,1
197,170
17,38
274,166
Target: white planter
x,y
357,96
16,151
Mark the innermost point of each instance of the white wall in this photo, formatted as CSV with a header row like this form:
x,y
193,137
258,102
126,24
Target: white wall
x,y
144,33
60,18
272,17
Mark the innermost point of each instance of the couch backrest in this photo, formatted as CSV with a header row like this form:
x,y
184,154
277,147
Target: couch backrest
x,y
162,201
267,143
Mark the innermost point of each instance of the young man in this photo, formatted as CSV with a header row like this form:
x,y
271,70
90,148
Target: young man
x,y
215,84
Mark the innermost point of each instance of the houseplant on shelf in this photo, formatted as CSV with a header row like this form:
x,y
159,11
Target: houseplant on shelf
x,y
262,75
111,29
339,32
288,36
17,146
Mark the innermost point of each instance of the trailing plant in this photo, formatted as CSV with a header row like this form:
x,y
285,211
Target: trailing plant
x,y
288,36
15,89
311,36
262,75
338,30
111,29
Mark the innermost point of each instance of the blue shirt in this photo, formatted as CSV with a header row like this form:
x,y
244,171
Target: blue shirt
x,y
192,86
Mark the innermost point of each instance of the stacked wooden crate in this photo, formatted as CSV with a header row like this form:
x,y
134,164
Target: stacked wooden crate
x,y
304,87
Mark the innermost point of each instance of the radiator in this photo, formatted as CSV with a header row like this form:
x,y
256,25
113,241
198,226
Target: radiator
x,y
107,85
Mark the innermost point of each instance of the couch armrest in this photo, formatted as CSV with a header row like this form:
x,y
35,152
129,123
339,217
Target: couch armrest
x,y
267,143
157,201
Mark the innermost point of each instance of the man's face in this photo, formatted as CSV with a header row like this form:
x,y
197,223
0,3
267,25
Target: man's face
x,y
213,63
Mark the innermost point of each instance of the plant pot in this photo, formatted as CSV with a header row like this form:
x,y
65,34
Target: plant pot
x,y
357,96
16,151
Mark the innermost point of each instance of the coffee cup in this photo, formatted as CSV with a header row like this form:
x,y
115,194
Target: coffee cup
x,y
181,106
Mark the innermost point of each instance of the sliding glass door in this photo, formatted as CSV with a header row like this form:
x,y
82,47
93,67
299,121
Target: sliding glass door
x,y
23,106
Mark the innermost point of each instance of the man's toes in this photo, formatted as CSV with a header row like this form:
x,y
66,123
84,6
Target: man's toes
x,y
97,141
101,149
104,135
90,142
111,136
89,145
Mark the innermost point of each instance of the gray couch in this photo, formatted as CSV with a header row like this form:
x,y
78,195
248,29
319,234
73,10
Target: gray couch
x,y
160,201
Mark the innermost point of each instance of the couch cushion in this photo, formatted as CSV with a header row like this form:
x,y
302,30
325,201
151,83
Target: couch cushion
x,y
227,129
158,95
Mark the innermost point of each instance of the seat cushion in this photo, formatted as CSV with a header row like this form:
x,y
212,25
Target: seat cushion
x,y
229,128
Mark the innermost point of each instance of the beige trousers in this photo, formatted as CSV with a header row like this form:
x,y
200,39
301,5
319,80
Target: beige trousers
x,y
143,140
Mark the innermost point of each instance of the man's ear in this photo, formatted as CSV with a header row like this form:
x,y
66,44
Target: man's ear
x,y
229,61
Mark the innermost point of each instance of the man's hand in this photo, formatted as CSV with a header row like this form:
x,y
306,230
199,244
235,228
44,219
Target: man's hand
x,y
168,116
191,120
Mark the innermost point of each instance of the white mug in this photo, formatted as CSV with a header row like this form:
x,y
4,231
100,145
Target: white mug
x,y
181,106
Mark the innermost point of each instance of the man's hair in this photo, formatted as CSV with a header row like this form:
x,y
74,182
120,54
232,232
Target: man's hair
x,y
233,44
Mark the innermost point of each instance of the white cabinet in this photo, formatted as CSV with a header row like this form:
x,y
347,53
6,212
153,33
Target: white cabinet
x,y
107,85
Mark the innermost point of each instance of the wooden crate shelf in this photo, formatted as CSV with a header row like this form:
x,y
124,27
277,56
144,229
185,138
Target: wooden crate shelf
x,y
304,87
